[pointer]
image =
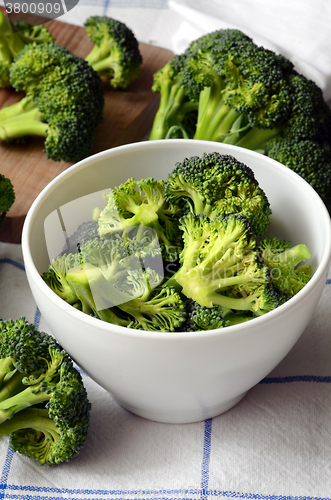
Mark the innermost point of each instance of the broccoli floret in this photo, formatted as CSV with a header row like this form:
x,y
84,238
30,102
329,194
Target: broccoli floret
x,y
287,276
220,265
55,277
95,279
236,84
63,103
310,118
7,196
155,308
71,277
86,231
201,318
118,280
12,42
176,116
116,53
216,184
246,96
142,204
308,158
44,406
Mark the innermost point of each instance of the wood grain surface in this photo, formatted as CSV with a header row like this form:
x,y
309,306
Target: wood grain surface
x,y
128,116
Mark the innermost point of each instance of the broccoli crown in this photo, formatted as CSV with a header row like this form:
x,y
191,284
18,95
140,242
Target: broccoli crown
x,y
7,194
310,116
216,184
309,159
44,406
12,41
226,88
56,277
250,79
116,53
142,203
236,85
220,265
287,276
65,101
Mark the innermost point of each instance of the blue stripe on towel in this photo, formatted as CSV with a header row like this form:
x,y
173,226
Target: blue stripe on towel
x,y
13,263
296,378
5,472
206,459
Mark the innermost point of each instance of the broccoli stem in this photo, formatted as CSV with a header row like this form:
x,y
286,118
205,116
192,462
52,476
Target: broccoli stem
x,y
215,117
257,138
11,386
31,418
25,104
21,118
30,396
294,255
6,366
37,388
173,107
91,278
98,53
238,304
105,66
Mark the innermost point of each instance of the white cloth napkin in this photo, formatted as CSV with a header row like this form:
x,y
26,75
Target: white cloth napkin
x,y
298,29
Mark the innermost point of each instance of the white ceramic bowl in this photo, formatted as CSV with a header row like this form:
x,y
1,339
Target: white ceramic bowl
x,y
180,377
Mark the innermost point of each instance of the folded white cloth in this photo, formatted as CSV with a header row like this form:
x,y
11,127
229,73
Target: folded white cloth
x,y
298,29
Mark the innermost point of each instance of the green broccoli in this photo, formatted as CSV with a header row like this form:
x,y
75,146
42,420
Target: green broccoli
x,y
201,318
248,96
176,116
12,42
71,277
288,273
44,406
117,280
142,204
63,103
7,196
220,265
308,158
236,84
216,184
116,53
154,307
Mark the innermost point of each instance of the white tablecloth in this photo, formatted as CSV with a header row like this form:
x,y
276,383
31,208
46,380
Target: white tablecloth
x,y
276,443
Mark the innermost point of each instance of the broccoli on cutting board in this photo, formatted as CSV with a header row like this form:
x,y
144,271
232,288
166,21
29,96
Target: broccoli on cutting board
x,y
63,103
44,406
12,42
116,53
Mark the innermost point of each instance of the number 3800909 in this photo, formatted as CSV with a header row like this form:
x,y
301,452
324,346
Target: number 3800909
x,y
33,8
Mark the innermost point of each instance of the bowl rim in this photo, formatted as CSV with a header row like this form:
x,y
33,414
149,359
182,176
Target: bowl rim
x,y
283,309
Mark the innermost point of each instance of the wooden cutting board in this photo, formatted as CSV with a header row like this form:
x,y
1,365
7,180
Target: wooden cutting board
x,y
128,116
